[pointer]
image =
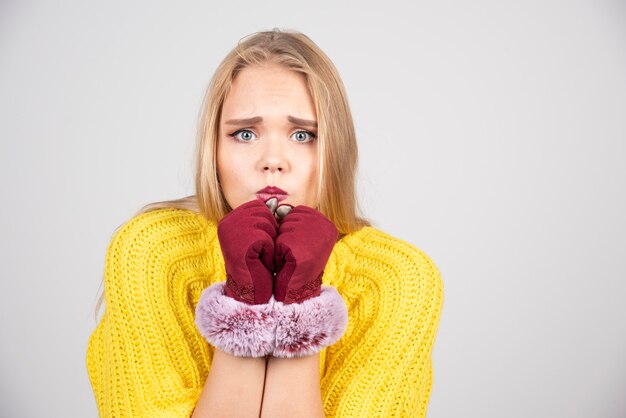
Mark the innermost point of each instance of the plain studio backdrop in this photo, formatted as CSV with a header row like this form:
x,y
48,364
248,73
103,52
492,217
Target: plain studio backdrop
x,y
492,135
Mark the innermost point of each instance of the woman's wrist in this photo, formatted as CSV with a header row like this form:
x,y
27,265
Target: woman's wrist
x,y
292,387
234,386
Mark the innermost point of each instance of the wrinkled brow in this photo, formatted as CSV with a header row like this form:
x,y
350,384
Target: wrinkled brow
x,y
257,119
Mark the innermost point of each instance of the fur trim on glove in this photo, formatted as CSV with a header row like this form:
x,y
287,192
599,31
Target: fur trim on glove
x,y
306,328
235,327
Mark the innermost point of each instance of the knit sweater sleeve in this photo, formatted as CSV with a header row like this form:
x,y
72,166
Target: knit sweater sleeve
x,y
145,357
382,366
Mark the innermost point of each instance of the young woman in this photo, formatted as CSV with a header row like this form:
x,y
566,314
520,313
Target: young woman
x,y
265,294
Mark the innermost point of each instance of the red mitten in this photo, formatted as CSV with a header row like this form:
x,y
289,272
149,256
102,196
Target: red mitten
x,y
237,316
309,316
246,237
305,241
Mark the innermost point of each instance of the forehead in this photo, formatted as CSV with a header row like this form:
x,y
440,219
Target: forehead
x,y
258,87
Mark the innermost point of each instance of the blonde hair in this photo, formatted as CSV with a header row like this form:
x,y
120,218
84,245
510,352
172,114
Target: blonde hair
x,y
337,146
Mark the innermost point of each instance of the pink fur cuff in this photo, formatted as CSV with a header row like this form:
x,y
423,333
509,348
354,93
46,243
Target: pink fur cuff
x,y
235,327
306,328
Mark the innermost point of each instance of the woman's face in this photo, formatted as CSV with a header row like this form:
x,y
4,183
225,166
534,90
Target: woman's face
x,y
267,137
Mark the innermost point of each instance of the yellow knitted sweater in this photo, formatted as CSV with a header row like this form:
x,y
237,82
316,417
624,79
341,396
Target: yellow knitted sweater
x,y
146,357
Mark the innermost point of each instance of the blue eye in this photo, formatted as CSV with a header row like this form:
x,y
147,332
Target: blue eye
x,y
245,138
302,135
246,135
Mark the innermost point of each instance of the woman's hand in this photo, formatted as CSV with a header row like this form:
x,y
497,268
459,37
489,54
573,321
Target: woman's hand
x,y
242,318
304,243
246,236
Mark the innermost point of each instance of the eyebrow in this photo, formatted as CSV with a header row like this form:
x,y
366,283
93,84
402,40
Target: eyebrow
x,y
257,119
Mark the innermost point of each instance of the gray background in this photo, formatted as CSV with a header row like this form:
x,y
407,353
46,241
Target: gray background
x,y
492,136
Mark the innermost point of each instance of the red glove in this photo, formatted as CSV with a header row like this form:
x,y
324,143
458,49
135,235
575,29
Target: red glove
x,y
246,236
308,316
305,241
238,316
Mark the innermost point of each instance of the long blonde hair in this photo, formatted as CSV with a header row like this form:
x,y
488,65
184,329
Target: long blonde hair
x,y
337,146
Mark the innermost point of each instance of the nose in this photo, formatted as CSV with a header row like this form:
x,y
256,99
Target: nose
x,y
273,158
273,166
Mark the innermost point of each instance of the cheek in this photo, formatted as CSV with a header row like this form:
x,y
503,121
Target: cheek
x,y
228,161
225,172
313,167
308,173
230,171
230,175
312,173
310,191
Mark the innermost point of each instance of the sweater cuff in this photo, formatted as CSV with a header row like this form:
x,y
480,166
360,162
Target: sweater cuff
x,y
306,328
235,327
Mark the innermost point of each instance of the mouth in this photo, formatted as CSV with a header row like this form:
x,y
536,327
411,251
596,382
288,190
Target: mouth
x,y
271,191
266,196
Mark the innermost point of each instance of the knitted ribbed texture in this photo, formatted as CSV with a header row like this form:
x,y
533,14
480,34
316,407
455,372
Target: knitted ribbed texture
x,y
146,357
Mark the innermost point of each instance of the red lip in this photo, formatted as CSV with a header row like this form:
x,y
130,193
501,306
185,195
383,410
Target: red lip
x,y
271,191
